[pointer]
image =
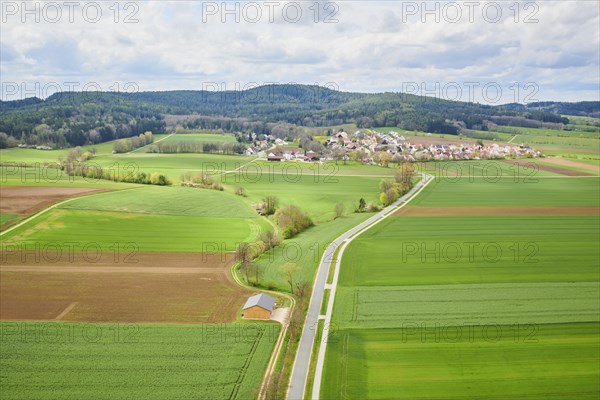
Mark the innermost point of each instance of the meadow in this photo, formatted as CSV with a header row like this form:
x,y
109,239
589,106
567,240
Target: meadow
x,y
181,219
200,138
49,360
314,188
450,191
301,254
171,165
525,361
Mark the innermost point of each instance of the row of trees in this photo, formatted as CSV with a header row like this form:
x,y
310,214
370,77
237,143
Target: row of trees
x,y
127,145
392,189
198,147
94,172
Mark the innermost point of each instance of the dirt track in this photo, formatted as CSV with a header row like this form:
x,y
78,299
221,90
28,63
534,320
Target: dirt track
x,y
493,211
159,287
542,167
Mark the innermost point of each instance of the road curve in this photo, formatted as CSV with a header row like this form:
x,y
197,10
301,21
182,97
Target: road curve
x,y
301,363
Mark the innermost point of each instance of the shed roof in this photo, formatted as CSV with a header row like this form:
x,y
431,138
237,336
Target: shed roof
x,y
262,300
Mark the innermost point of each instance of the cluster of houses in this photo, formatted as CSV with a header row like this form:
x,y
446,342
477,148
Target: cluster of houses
x,y
364,145
260,147
401,150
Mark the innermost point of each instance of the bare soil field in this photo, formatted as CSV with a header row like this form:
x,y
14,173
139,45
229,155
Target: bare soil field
x,y
574,164
556,170
25,200
458,211
159,288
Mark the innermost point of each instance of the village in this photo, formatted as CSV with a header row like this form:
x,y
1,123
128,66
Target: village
x,y
373,147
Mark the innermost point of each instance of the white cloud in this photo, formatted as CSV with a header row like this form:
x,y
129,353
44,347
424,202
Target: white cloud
x,y
374,46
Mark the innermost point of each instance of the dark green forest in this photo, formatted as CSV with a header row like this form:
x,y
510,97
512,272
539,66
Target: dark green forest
x,y
75,118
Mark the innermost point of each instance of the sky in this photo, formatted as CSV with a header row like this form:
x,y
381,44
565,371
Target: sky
x,y
492,52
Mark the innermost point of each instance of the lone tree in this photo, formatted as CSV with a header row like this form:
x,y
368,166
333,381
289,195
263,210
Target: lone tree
x,y
254,269
362,205
270,239
270,204
290,270
243,253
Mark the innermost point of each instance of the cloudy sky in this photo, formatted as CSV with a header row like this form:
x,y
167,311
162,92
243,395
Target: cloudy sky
x,y
494,52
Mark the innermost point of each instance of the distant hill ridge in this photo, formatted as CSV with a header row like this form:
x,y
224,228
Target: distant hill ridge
x,y
74,118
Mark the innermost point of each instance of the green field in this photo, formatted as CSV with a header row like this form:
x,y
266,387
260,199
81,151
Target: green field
x,y
472,307
302,253
49,360
31,156
517,361
151,218
171,165
506,192
466,304
200,138
173,200
7,217
315,191
446,250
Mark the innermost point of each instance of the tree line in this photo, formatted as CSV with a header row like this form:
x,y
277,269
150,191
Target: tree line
x,y
74,119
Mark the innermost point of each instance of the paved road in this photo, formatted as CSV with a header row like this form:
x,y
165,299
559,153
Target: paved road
x,y
303,356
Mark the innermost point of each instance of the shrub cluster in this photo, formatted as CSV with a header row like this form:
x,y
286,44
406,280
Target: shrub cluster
x,y
202,180
292,221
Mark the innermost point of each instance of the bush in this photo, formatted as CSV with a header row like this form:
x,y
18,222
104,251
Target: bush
x,y
292,221
372,207
240,191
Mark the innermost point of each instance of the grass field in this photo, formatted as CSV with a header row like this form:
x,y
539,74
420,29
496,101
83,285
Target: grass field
x,y
171,165
6,217
314,188
200,138
524,361
180,219
468,306
76,361
507,192
446,250
302,253
175,200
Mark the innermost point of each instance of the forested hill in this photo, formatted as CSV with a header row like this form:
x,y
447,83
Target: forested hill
x,y
65,119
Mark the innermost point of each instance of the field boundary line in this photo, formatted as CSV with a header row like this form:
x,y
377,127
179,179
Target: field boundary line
x,y
302,362
60,203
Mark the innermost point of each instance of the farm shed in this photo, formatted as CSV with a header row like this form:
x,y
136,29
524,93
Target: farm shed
x,y
259,306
